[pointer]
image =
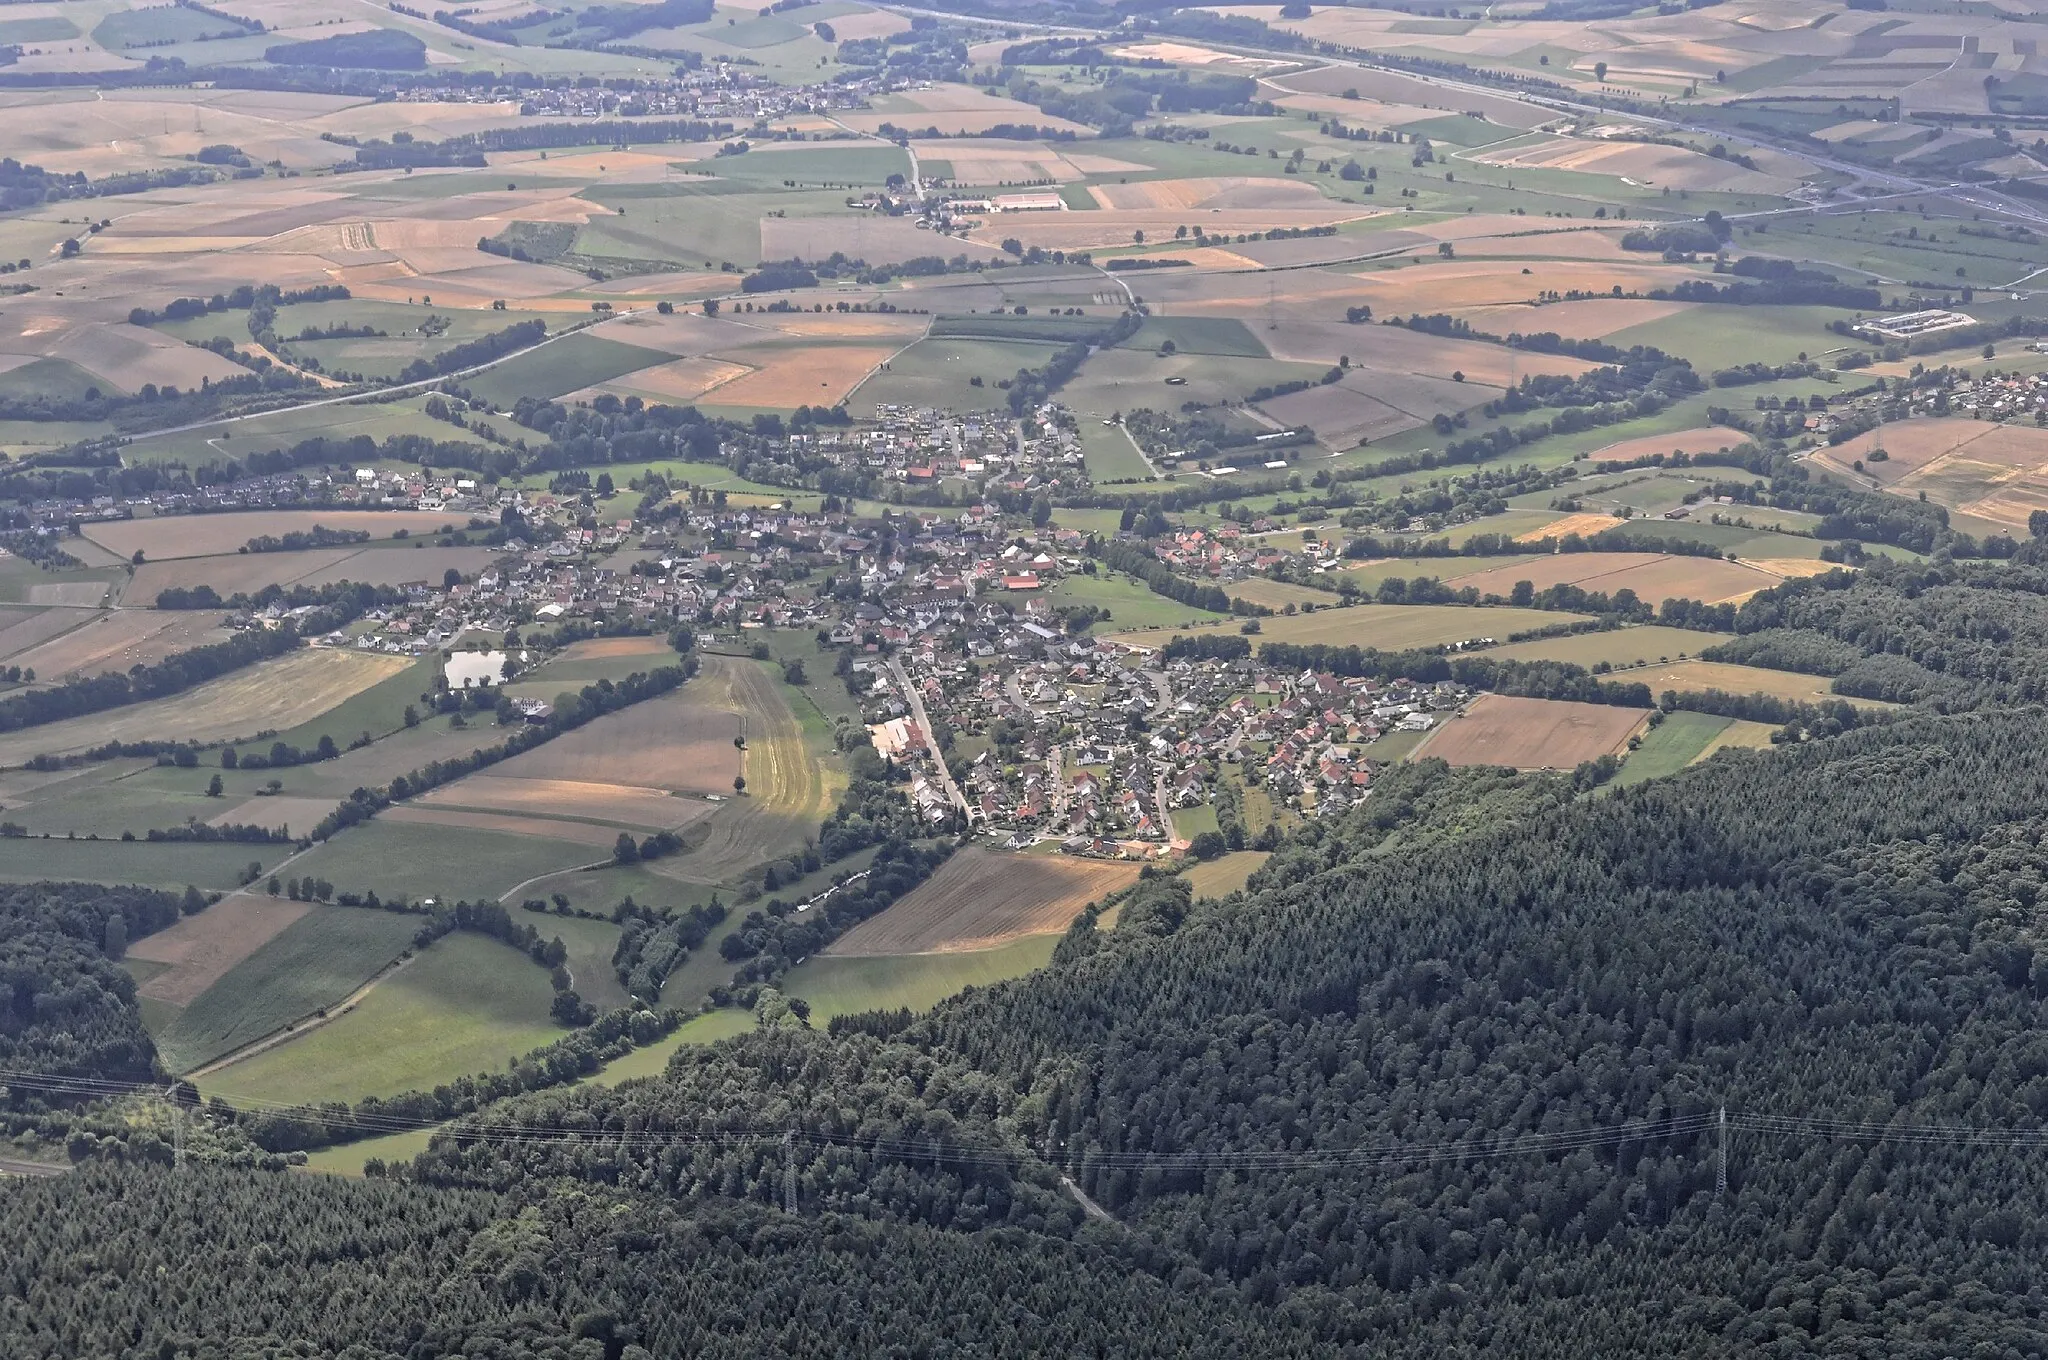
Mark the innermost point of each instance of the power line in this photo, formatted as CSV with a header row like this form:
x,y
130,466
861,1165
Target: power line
x,y
1468,1147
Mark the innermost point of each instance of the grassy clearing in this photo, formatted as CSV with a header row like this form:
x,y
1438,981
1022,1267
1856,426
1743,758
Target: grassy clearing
x,y
590,945
467,1004
349,1159
652,1061
1669,747
844,986
1227,873
314,962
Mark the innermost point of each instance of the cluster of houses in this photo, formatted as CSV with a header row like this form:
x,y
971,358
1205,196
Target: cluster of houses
x,y
1098,744
921,447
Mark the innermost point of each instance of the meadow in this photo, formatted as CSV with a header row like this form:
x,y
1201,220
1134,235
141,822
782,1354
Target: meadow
x,y
315,962
464,1004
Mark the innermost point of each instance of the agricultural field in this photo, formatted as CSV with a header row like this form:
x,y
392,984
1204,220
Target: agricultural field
x,y
1620,648
317,960
1995,475
1129,602
1225,874
1684,739
1532,734
839,985
414,858
1387,627
1654,577
170,536
980,899
268,696
464,1004
1692,677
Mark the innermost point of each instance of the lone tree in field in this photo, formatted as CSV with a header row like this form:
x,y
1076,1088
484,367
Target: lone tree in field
x,y
625,851
739,743
213,787
739,783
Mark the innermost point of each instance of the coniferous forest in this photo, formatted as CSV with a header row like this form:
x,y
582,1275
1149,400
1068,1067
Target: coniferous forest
x,y
1446,1079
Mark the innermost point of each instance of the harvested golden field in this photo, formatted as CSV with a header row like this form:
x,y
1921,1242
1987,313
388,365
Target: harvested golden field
x,y
1707,439
227,574
1229,191
22,629
273,695
1587,319
1532,734
1792,568
786,377
1584,525
1456,284
982,898
680,742
1636,162
200,950
1994,473
1694,677
1116,227
209,535
119,640
598,649
1394,349
297,815
679,380
848,325
651,809
1654,577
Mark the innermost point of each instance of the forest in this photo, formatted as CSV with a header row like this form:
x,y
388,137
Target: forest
x,y
1445,1079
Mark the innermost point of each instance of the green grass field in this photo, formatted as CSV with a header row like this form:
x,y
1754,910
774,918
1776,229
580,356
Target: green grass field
x,y
1225,874
563,367
31,860
652,1060
836,986
1200,335
590,945
1670,746
349,1159
56,379
695,221
941,373
466,1004
1716,337
1618,647
1110,457
447,862
314,962
1131,604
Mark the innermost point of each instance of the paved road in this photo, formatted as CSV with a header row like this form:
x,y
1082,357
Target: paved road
x,y
1165,812
916,700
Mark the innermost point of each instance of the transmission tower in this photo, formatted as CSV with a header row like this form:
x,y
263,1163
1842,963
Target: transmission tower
x,y
1721,1159
789,1172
